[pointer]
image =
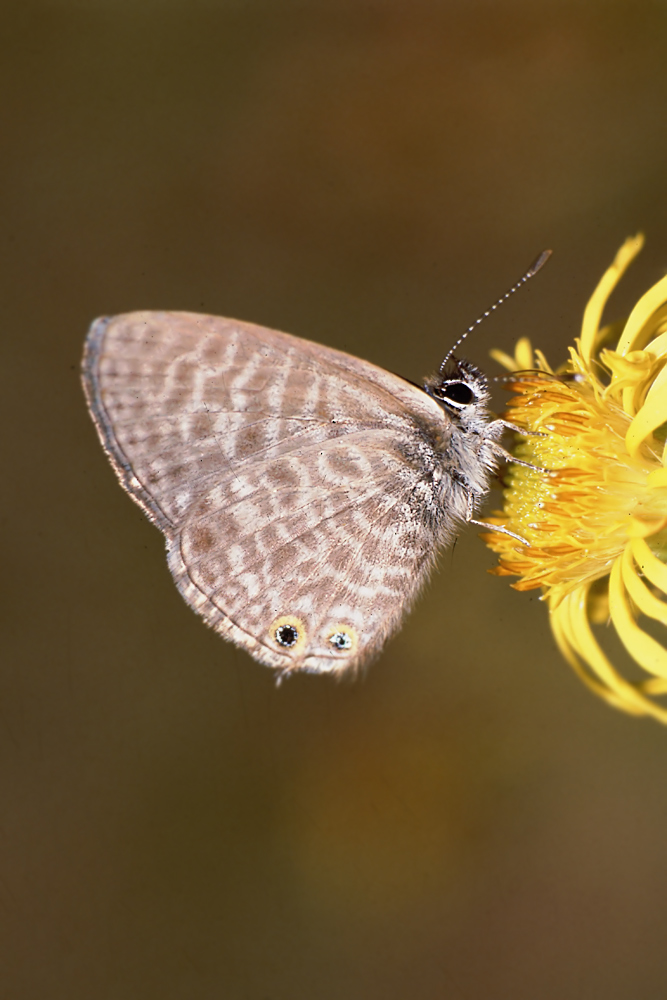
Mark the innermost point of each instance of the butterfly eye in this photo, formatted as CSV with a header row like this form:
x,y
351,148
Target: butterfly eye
x,y
289,632
458,393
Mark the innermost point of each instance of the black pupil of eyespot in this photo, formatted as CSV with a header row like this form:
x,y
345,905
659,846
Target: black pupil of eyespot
x,y
286,635
458,392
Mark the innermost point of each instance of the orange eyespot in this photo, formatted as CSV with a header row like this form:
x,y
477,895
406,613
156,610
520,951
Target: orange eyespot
x,y
288,632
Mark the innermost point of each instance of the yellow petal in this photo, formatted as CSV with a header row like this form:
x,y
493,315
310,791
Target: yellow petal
x,y
650,311
657,479
648,653
598,300
658,346
505,360
523,352
645,599
615,690
523,359
644,527
576,642
655,685
651,415
542,362
657,381
653,568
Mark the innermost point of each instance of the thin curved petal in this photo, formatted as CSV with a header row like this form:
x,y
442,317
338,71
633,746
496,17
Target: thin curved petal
x,y
651,415
504,359
653,568
576,641
654,685
647,315
642,647
657,346
523,359
646,601
598,299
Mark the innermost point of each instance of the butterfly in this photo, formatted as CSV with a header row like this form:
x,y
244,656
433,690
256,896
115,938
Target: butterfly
x,y
303,493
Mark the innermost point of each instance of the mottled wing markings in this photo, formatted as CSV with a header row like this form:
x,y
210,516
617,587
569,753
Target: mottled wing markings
x,y
295,542
279,470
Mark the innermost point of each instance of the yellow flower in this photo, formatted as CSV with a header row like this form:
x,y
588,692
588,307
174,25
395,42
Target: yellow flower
x,y
596,523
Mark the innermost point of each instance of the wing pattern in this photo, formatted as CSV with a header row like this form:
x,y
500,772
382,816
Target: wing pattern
x,y
300,490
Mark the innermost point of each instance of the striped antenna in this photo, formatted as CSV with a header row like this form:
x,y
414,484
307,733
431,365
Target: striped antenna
x,y
536,266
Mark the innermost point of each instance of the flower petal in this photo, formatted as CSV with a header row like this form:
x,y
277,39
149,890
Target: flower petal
x,y
598,300
654,685
523,359
576,639
648,653
658,346
505,360
653,568
646,601
651,415
523,352
657,479
576,642
647,315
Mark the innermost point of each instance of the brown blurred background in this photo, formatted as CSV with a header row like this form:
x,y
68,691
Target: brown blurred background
x,y
467,822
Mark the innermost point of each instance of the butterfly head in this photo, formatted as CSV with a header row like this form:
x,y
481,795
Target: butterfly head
x,y
463,392
462,389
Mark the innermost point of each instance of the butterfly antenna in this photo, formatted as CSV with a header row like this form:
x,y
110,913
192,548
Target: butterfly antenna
x,y
536,266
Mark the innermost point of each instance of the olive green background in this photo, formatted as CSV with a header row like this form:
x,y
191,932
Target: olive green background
x,y
467,822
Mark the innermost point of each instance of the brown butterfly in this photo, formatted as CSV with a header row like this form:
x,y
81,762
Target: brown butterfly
x,y
303,493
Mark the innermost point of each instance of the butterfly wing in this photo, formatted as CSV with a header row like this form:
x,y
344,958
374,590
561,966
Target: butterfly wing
x,y
298,487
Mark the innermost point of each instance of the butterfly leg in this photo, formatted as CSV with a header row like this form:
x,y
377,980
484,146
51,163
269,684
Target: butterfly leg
x,y
499,528
507,456
520,430
497,428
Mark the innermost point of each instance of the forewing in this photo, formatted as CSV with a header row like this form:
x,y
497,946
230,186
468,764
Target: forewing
x,y
282,473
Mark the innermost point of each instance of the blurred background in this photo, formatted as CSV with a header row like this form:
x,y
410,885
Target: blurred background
x,y
467,821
